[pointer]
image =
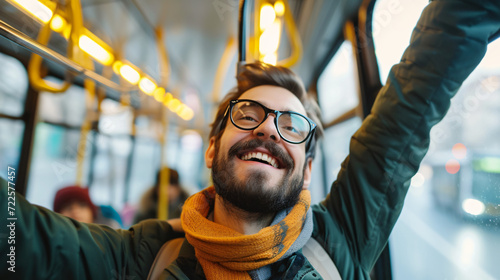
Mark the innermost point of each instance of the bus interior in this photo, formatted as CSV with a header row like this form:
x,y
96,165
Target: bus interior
x,y
105,93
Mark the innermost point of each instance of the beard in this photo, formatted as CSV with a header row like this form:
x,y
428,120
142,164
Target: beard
x,y
251,194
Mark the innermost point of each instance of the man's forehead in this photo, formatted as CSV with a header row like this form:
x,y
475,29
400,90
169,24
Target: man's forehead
x,y
274,97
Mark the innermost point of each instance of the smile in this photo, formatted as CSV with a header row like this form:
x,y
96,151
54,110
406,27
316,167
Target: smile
x,y
260,157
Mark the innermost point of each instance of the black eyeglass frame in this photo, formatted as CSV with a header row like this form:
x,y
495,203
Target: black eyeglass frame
x,y
312,125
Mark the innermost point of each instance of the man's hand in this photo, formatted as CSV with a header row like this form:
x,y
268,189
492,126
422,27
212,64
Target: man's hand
x,y
176,224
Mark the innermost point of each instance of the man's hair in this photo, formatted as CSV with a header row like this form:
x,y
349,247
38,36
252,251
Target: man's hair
x,y
259,74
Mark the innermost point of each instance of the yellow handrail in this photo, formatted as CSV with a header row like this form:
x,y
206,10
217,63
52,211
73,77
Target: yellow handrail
x,y
35,65
289,26
295,39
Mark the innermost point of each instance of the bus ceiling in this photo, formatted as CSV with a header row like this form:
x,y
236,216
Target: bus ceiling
x,y
195,38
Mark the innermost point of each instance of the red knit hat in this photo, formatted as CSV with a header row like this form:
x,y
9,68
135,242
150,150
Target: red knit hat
x,y
70,194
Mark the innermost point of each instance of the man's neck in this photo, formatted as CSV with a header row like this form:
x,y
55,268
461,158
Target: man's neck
x,y
239,220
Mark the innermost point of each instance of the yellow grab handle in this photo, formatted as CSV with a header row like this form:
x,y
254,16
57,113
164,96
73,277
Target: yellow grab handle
x,y
35,65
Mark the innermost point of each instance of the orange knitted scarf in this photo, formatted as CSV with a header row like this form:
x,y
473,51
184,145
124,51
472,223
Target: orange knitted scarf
x,y
226,254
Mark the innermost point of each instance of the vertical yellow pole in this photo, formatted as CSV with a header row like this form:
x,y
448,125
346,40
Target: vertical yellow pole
x,y
86,126
162,211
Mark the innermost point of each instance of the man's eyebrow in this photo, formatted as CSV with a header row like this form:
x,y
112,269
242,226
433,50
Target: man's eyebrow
x,y
281,110
290,110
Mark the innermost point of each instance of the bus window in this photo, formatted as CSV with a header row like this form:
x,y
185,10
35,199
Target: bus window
x,y
393,21
13,86
10,143
13,89
190,160
55,148
145,159
67,108
53,162
450,225
338,93
113,147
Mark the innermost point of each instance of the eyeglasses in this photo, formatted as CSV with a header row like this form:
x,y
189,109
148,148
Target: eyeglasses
x,y
292,127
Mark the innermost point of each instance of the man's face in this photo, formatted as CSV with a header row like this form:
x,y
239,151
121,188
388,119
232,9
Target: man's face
x,y
255,185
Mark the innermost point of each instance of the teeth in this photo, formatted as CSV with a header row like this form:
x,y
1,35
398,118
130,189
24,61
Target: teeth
x,y
261,156
265,158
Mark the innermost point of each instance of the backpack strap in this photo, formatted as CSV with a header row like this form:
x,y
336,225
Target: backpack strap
x,y
313,251
320,260
168,254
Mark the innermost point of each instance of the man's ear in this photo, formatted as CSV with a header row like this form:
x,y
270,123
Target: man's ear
x,y
307,174
210,152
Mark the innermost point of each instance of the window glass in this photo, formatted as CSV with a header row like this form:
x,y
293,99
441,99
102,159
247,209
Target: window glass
x,y
55,154
450,225
67,108
340,135
145,166
11,137
115,118
13,86
393,22
191,160
338,93
53,163
110,169
338,84
55,148
146,158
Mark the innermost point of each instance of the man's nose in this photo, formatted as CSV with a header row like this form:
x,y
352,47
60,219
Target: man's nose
x,y
267,129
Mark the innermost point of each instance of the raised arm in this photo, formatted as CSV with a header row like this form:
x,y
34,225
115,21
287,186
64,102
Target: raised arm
x,y
47,245
448,42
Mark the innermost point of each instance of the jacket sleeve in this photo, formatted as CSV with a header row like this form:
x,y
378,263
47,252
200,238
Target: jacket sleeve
x,y
356,218
50,246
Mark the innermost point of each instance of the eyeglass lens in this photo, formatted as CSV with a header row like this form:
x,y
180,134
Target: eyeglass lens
x,y
248,115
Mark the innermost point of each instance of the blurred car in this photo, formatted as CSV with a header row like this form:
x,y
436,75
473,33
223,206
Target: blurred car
x,y
470,187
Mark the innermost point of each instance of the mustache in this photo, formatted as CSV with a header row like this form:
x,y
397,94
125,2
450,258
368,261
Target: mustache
x,y
284,158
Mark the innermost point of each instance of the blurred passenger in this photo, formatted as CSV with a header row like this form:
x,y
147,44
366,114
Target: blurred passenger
x,y
74,202
148,207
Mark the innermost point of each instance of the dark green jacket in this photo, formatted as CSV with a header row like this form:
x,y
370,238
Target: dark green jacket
x,y
355,220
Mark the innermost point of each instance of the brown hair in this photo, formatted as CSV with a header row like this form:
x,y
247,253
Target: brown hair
x,y
258,74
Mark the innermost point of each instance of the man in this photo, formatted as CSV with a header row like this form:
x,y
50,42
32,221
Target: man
x,y
259,169
253,222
